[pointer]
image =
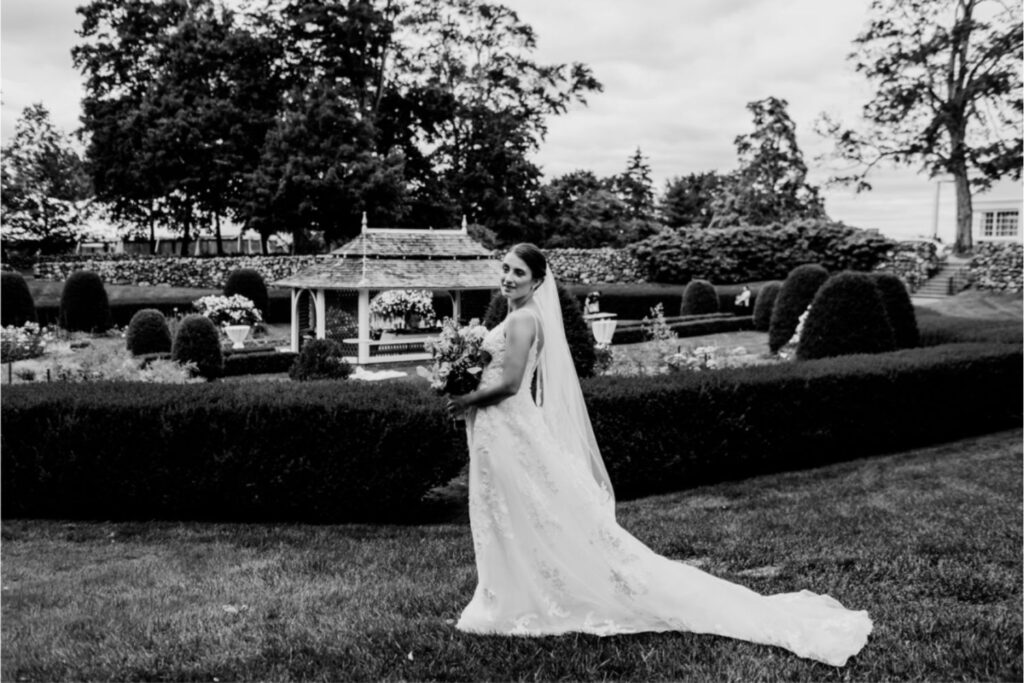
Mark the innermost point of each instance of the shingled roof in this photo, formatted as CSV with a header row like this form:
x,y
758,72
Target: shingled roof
x,y
399,243
402,259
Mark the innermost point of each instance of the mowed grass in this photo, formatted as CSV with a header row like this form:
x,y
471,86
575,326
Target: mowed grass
x,y
928,541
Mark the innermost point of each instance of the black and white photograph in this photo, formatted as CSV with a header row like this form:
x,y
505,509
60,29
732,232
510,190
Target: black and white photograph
x,y
511,340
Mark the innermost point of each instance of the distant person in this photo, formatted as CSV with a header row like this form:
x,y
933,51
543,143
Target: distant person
x,y
743,298
592,304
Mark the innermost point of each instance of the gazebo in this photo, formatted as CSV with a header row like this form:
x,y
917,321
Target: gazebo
x,y
392,258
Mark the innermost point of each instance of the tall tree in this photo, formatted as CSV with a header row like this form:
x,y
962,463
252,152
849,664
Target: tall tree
x,y
636,188
45,187
177,93
770,185
948,96
688,199
465,76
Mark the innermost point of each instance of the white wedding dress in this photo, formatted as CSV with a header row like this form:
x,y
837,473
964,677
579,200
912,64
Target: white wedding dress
x,y
551,558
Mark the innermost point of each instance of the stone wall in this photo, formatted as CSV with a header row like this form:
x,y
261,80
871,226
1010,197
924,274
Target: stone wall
x,y
571,265
997,267
159,271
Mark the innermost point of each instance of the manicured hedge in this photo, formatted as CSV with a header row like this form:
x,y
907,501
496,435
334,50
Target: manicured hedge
x,y
340,451
667,433
691,326
317,451
935,330
257,362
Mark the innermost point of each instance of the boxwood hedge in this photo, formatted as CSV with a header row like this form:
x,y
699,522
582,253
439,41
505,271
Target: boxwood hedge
x,y
329,451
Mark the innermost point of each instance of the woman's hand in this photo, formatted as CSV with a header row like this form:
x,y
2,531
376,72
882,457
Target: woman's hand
x,y
457,405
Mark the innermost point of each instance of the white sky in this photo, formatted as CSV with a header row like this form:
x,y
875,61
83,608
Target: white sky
x,y
677,75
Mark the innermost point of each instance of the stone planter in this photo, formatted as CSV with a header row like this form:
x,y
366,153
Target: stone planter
x,y
237,334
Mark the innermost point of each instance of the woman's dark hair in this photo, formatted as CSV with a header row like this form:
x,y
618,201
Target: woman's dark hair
x,y
533,258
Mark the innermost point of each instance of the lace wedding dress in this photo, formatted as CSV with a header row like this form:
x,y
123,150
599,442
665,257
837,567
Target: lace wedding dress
x,y
551,558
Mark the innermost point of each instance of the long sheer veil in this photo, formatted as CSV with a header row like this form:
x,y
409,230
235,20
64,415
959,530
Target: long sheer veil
x,y
558,390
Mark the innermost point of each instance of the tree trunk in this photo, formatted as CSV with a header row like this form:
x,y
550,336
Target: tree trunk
x,y
152,234
216,227
964,241
186,232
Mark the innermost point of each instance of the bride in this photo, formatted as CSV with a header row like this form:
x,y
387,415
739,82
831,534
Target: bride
x,y
550,557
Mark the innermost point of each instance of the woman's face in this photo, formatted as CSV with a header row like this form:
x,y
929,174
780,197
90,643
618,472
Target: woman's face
x,y
517,283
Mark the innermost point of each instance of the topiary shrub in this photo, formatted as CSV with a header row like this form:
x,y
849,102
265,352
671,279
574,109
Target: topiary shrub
x,y
249,283
699,298
198,341
899,309
577,332
83,303
847,316
320,359
796,294
148,333
16,304
764,304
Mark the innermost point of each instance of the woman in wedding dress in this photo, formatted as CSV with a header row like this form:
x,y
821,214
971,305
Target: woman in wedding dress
x,y
550,557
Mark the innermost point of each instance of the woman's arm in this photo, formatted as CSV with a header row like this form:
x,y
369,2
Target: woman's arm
x,y
519,335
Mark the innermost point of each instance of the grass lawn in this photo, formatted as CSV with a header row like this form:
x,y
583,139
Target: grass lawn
x,y
929,541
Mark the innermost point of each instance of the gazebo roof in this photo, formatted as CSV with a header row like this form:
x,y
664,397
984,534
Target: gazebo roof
x,y
404,243
347,273
392,258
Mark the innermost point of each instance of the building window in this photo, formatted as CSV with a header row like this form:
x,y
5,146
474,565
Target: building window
x,y
1000,224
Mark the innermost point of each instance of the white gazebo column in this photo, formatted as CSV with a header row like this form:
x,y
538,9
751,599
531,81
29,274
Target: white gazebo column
x,y
295,319
320,301
364,325
457,306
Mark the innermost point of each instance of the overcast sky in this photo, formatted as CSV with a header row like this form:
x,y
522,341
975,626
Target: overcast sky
x,y
677,75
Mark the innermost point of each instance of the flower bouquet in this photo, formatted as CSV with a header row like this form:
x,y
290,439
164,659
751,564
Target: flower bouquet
x,y
458,359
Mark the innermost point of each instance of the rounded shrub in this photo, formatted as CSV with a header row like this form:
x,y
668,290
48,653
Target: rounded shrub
x,y
83,303
699,298
900,310
17,306
249,283
764,304
198,341
320,359
577,332
148,333
847,316
794,297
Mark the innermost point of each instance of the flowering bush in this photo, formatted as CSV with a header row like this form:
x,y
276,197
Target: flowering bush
x,y
788,351
27,341
705,358
397,303
228,310
458,358
654,326
114,364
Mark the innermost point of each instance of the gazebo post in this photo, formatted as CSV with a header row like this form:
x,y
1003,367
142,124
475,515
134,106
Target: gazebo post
x,y
295,319
320,301
364,325
457,306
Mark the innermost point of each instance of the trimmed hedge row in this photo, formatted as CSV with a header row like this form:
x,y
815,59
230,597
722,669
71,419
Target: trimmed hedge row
x,y
935,330
667,433
338,451
632,333
317,451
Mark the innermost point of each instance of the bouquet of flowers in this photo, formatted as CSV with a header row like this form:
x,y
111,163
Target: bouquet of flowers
x,y
228,310
458,358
